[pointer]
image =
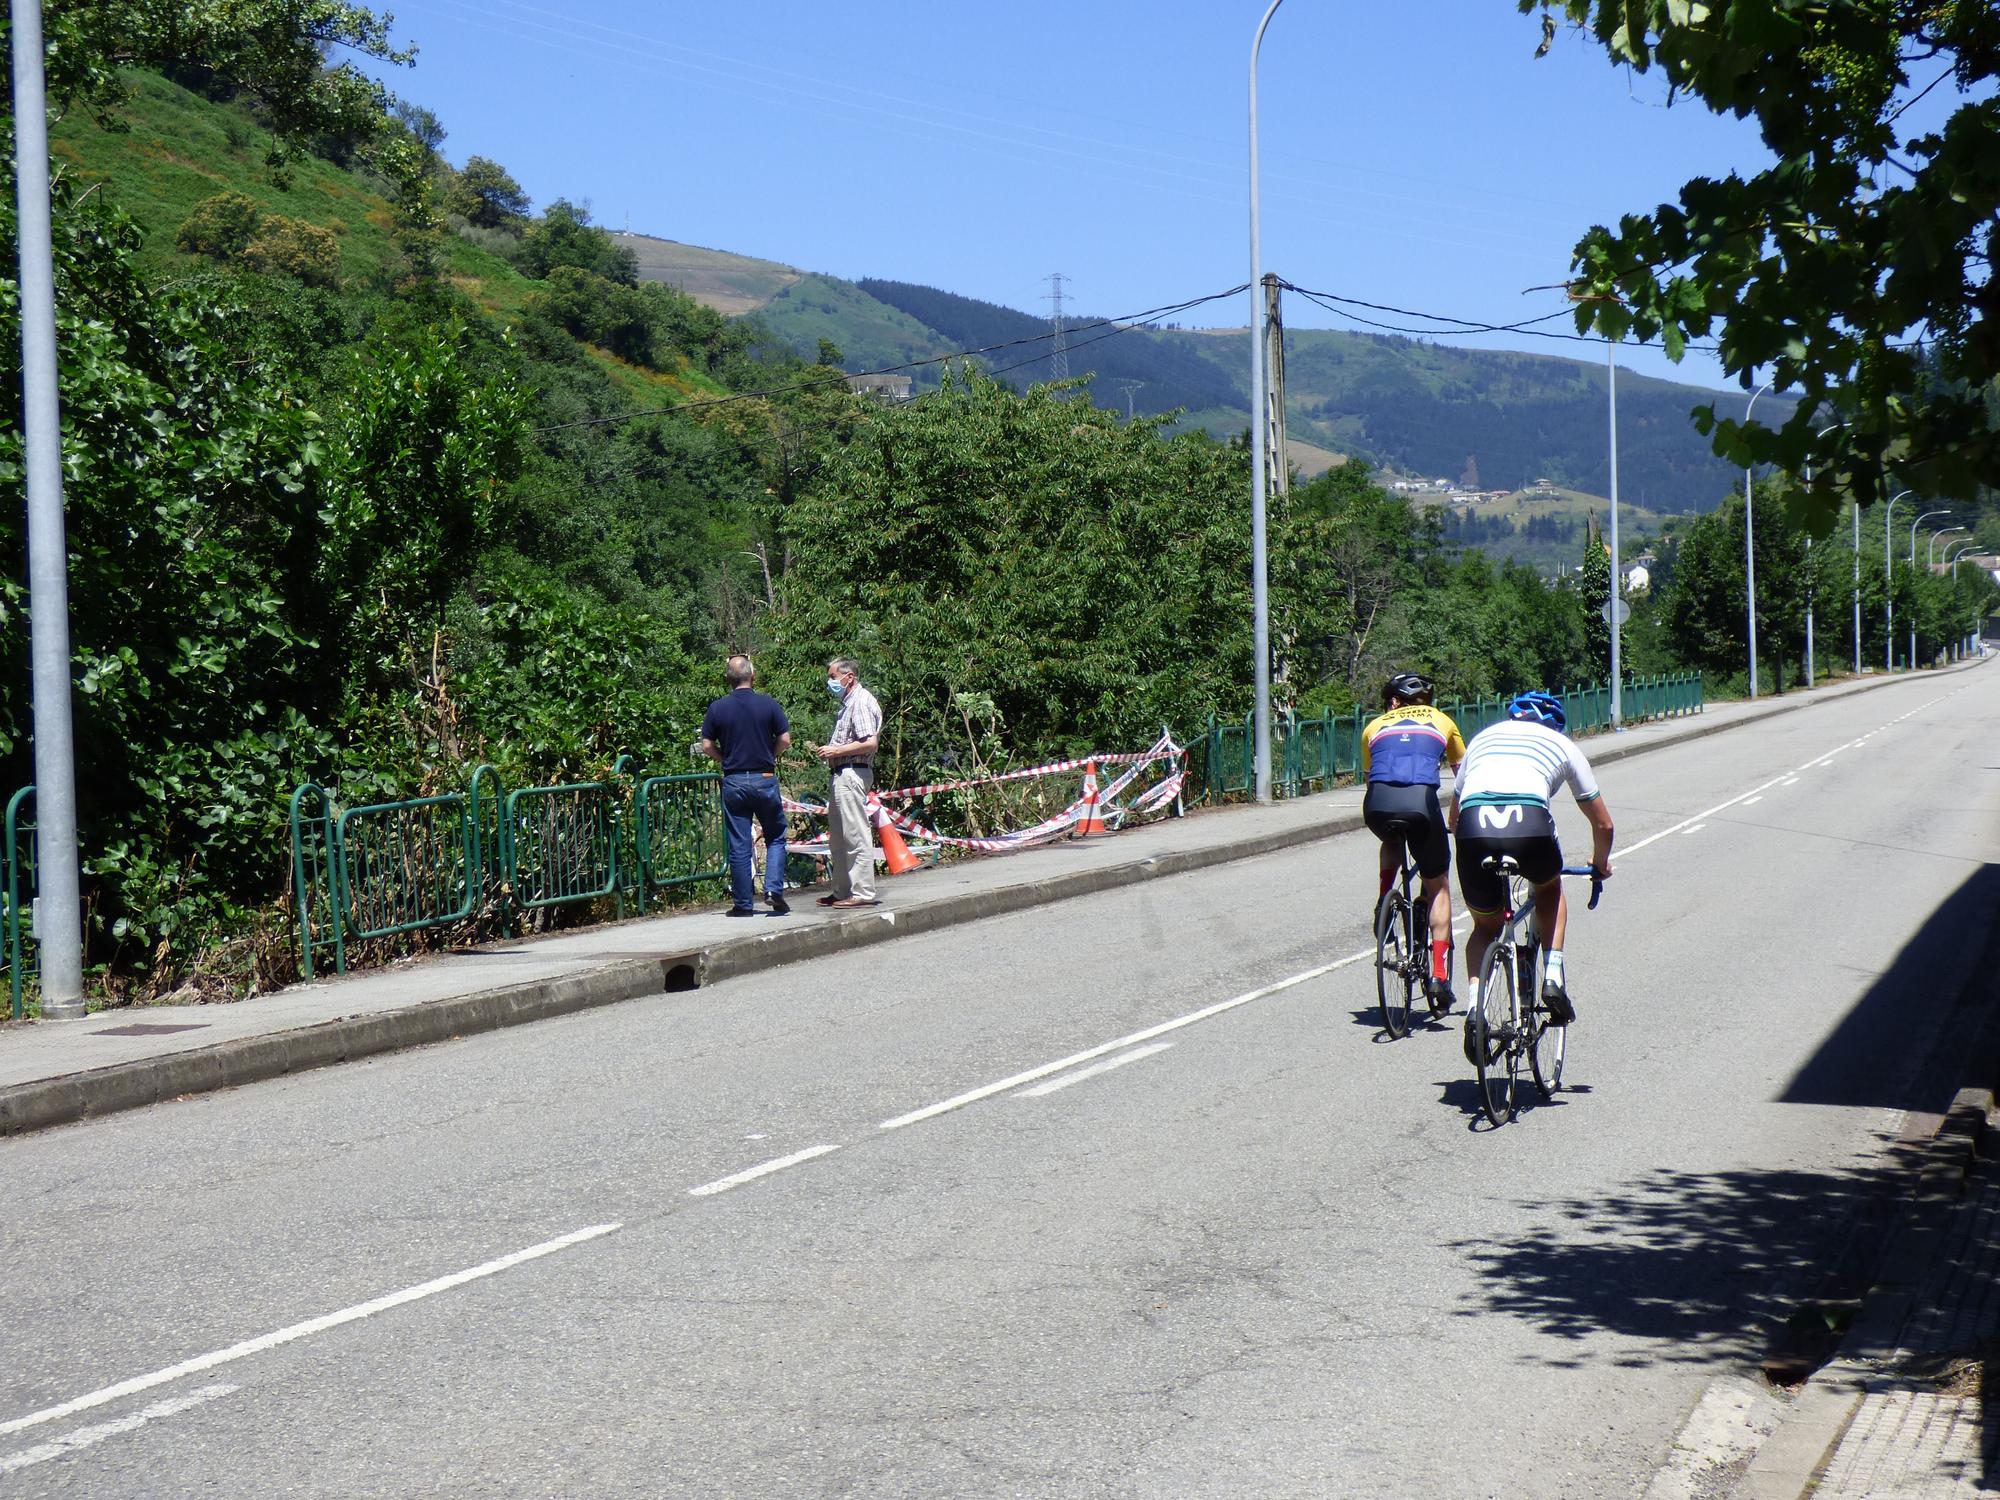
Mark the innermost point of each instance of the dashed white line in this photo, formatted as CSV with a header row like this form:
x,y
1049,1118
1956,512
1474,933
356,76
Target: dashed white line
x,y
1695,828
1092,1071
1090,1054
1748,800
306,1329
84,1437
763,1169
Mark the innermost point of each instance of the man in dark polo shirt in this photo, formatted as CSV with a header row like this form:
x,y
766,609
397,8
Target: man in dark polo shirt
x,y
744,732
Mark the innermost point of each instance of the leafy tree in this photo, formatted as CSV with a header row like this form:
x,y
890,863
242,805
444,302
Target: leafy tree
x,y
424,127
292,247
1594,593
221,227
484,193
1858,268
564,236
1086,577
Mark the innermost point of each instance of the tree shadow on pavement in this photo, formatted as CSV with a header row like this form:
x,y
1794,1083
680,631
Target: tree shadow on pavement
x,y
1908,1042
1699,1265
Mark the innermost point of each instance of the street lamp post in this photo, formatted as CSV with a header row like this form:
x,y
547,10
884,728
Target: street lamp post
x,y
1617,594
1913,569
1260,602
1889,585
1749,545
1930,545
59,909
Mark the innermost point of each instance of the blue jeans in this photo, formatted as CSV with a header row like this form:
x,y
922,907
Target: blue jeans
x,y
748,795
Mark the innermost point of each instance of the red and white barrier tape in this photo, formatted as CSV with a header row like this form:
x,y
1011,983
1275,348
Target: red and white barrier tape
x,y
1151,800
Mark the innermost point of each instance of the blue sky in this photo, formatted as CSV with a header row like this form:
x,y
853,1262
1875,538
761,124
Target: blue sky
x,y
1415,154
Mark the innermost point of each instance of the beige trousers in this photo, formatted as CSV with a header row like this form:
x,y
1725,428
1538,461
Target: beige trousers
x,y
851,837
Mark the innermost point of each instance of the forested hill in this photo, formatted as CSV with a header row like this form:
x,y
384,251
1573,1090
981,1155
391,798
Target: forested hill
x,y
1493,418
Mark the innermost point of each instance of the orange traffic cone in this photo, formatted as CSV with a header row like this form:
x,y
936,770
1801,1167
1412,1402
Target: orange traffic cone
x,y
895,852
1090,820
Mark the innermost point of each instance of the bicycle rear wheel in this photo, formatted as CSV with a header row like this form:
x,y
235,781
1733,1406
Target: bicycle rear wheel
x,y
1498,1018
1396,983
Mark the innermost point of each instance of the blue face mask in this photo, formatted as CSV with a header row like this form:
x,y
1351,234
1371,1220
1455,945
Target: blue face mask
x,y
836,687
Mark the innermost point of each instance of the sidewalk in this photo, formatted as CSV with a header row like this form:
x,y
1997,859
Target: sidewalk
x,y
53,1073
1900,1413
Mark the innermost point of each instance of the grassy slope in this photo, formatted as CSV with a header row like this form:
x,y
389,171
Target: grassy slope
x,y
871,334
176,148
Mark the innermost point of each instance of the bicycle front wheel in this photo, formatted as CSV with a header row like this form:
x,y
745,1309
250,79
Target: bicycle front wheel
x,y
1395,971
1498,1018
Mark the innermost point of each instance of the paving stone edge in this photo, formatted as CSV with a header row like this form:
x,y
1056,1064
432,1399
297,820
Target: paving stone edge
x,y
102,1091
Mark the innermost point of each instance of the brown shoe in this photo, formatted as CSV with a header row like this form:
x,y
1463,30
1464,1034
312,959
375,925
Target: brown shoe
x,y
826,900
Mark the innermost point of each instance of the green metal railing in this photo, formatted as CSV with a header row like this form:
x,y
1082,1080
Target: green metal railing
x,y
1308,754
562,844
678,830
18,888
405,866
394,868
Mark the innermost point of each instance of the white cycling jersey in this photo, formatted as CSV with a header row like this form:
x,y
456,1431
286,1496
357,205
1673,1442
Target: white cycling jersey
x,y
1518,760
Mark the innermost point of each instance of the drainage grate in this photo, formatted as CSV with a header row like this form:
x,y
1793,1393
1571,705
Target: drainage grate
x,y
149,1028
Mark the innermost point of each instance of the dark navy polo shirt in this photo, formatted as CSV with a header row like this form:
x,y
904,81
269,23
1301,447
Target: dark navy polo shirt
x,y
746,725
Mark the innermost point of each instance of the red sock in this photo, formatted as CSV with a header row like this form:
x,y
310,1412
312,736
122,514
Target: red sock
x,y
1388,879
1441,960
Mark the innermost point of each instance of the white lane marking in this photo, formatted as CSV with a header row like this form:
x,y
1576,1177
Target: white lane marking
x,y
84,1437
1789,781
1748,800
765,1169
1090,1054
1697,828
306,1329
1092,1071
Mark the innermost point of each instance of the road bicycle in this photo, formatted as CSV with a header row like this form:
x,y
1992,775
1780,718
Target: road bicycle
x,y
1511,1021
1403,955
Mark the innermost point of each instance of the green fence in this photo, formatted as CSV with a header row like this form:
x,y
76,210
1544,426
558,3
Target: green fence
x,y
679,831
17,890
1309,754
393,868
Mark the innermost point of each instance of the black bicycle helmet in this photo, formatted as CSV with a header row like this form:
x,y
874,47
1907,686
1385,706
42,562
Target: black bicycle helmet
x,y
1540,708
1411,687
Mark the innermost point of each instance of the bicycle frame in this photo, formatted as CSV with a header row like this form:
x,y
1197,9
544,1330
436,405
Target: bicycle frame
x,y
1523,1032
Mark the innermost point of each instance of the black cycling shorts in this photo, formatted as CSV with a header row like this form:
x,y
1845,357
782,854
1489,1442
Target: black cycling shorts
x,y
1397,812
1527,833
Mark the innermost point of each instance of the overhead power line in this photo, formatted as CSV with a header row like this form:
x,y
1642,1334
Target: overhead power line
x,y
1118,325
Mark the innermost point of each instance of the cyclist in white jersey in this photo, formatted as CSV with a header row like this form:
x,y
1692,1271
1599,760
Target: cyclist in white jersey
x,y
1500,805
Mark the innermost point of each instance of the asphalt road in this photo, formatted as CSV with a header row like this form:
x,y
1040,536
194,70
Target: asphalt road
x,y
1259,1252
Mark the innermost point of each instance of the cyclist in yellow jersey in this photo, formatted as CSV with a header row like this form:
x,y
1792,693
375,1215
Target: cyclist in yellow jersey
x,y
1402,750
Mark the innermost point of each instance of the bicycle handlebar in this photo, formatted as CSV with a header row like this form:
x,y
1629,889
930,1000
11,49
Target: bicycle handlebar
x,y
1596,883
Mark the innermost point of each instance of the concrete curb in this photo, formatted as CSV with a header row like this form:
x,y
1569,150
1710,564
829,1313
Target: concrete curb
x,y
1789,1464
103,1091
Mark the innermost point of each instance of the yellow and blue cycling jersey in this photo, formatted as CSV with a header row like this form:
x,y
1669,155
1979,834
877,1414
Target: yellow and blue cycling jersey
x,y
1407,745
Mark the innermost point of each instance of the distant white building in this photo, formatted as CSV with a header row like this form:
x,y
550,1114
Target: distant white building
x,y
1638,579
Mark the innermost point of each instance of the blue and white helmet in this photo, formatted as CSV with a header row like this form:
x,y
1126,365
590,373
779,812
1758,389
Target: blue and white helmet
x,y
1540,708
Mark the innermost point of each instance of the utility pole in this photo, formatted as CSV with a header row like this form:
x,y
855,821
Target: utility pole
x,y
1617,594
1260,601
1274,393
1058,350
1128,387
59,904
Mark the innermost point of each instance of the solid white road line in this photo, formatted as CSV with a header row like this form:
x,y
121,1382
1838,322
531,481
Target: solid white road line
x,y
83,1437
1697,828
1092,1071
737,1179
1748,800
1090,1054
306,1329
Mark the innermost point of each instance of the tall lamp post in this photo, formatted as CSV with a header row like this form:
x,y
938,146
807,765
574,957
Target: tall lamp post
x,y
59,910
1260,602
1913,569
1889,585
1749,547
1930,545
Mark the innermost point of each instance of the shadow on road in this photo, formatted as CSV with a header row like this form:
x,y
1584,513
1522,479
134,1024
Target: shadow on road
x,y
1908,1041
1698,1265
